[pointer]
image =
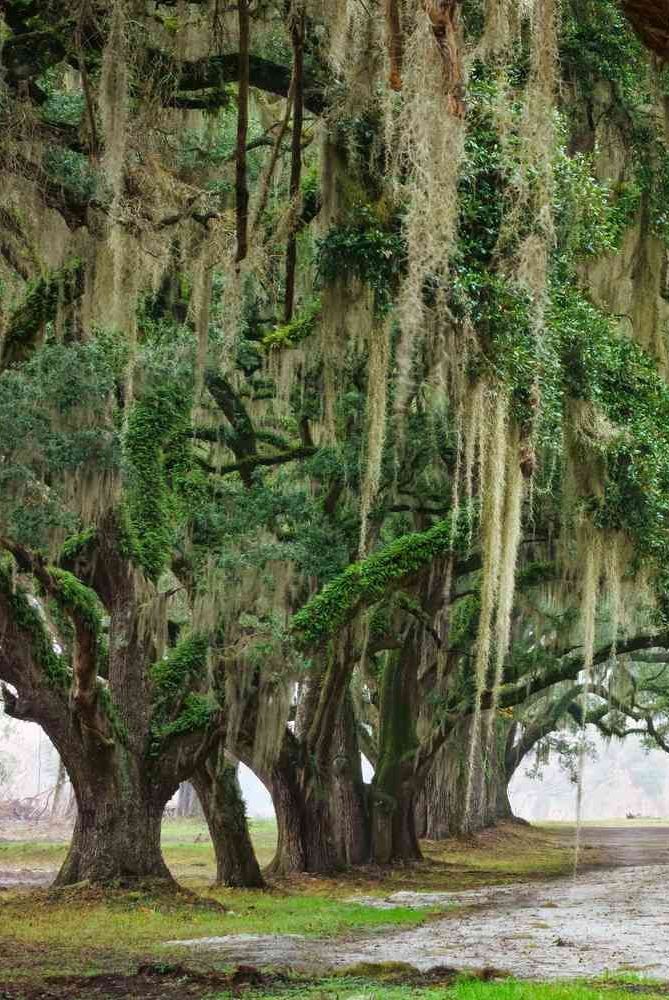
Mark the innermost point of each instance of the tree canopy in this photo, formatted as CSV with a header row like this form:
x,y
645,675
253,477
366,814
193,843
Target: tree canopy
x,y
334,412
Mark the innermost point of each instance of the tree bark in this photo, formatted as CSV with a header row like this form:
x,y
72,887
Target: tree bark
x,y
116,835
61,783
187,801
221,798
305,841
393,791
349,801
446,785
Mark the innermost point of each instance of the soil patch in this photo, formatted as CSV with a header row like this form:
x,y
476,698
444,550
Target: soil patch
x,y
616,847
153,982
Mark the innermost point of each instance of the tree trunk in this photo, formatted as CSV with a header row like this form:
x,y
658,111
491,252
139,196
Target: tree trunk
x,y
394,828
446,784
503,803
421,814
59,790
187,801
305,840
221,798
349,800
393,819
116,835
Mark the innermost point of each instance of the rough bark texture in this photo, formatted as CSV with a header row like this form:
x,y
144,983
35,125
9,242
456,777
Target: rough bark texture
x,y
122,773
393,819
650,20
305,841
116,835
441,810
218,789
349,800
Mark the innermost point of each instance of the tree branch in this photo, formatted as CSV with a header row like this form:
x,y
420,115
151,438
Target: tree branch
x,y
81,606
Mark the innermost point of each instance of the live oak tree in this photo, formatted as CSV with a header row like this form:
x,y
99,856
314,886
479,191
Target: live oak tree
x,y
314,374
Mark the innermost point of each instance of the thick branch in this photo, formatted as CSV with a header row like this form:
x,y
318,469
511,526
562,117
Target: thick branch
x,y
263,74
297,39
242,189
246,466
537,730
364,583
81,606
650,20
59,288
71,206
244,444
566,668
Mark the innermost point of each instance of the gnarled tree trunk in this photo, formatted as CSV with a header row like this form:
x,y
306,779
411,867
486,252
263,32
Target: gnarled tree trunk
x,y
116,836
301,797
393,789
445,792
218,789
349,804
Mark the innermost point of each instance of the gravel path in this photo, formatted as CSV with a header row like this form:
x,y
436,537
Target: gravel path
x,y
606,919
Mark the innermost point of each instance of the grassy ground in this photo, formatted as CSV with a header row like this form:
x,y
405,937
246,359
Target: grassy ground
x,y
176,983
87,933
348,988
507,854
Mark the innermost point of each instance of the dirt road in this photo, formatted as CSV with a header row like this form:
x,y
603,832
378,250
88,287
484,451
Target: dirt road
x,y
611,917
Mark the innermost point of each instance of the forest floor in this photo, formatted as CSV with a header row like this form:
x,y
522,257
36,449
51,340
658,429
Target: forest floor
x,y
503,903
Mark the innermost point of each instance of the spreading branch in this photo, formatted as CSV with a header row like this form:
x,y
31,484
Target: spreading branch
x,y
80,605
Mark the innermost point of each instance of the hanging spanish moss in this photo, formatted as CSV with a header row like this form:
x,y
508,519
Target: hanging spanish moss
x,y
113,99
200,307
473,423
591,546
511,535
425,132
538,150
355,49
275,699
497,30
377,401
493,451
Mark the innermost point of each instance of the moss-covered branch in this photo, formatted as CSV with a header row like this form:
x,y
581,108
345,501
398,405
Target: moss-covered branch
x,y
33,646
246,467
82,608
243,443
58,288
291,334
157,422
179,706
215,71
366,582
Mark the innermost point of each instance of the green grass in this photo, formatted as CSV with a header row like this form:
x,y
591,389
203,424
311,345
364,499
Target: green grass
x,y
186,846
49,935
506,854
43,934
346,988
